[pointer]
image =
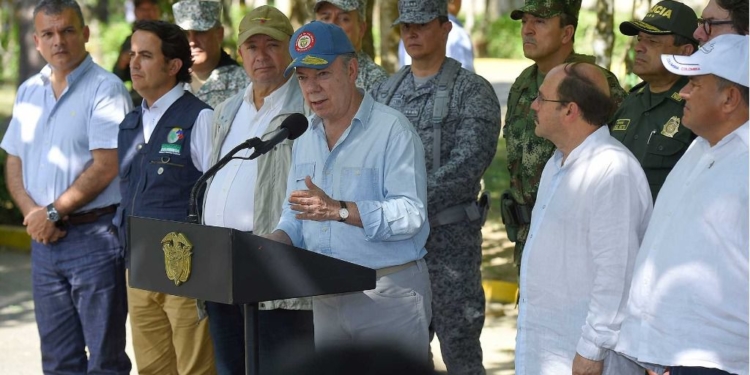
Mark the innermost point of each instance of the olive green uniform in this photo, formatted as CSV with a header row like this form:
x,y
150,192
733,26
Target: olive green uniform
x,y
528,153
649,126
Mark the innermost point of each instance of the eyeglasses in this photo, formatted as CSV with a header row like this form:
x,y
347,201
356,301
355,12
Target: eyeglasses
x,y
708,23
539,97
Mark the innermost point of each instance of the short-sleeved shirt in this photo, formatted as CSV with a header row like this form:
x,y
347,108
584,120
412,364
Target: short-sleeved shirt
x,y
378,163
649,126
54,137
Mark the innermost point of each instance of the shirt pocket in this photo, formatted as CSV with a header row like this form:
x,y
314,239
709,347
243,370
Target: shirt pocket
x,y
360,184
300,172
663,152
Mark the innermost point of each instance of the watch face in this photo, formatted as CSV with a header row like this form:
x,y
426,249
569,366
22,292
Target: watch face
x,y
343,213
52,214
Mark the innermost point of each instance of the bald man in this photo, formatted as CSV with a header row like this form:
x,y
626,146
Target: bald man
x,y
567,320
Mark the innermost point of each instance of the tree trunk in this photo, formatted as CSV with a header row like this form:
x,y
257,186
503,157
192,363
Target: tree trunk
x,y
389,36
301,12
367,42
30,62
604,37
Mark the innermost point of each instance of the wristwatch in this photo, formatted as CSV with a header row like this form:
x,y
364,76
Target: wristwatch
x,y
52,214
343,212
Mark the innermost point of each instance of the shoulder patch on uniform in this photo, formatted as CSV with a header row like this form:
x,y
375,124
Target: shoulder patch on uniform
x,y
621,124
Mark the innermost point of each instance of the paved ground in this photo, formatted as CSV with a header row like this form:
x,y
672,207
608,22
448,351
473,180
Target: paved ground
x,y
19,341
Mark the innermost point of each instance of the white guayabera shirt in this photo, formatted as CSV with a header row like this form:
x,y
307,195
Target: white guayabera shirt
x,y
588,221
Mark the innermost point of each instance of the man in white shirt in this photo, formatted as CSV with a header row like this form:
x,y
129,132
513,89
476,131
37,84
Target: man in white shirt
x,y
591,212
248,194
688,302
163,148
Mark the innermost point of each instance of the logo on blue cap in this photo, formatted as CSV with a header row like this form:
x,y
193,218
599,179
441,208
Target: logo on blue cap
x,y
316,45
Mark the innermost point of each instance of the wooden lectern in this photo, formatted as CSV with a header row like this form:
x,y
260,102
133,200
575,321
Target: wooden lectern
x,y
229,266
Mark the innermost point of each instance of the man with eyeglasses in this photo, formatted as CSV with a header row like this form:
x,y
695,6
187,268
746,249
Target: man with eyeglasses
x,y
591,212
722,17
648,121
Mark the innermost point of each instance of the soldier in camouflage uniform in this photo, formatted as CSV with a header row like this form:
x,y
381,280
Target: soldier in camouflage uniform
x,y
548,33
351,17
648,121
216,76
436,93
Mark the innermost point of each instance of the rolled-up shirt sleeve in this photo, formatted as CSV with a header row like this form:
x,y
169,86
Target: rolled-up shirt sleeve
x,y
402,213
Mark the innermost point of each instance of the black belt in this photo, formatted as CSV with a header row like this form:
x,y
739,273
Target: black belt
x,y
89,217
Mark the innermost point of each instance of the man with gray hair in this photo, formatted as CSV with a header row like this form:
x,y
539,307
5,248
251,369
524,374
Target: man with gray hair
x,y
61,173
357,192
350,15
457,115
215,75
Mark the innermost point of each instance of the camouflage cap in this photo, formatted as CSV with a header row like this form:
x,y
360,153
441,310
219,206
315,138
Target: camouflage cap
x,y
548,8
265,20
346,6
197,15
420,11
666,17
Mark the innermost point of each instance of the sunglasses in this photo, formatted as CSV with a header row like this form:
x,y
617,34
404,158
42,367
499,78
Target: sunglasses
x,y
708,23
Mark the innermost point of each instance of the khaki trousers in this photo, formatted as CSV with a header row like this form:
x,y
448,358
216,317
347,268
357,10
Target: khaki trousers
x,y
168,338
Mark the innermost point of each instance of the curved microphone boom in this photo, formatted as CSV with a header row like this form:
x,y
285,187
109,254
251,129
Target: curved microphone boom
x,y
292,127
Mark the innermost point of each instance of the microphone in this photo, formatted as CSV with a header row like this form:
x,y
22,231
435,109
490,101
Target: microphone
x,y
193,202
292,127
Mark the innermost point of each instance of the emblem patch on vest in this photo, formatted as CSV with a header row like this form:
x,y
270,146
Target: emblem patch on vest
x,y
175,135
177,257
671,127
621,124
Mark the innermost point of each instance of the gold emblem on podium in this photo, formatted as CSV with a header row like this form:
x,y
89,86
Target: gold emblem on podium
x,y
177,257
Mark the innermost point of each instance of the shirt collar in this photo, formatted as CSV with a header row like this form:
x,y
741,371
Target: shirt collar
x,y
361,117
741,133
594,138
73,76
166,100
277,96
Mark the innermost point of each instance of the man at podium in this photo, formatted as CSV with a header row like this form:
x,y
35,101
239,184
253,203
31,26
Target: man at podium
x,y
357,192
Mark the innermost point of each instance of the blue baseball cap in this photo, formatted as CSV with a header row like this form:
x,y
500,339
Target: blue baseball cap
x,y
316,45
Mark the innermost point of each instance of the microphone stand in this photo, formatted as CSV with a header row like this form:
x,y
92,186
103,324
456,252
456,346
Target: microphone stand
x,y
193,216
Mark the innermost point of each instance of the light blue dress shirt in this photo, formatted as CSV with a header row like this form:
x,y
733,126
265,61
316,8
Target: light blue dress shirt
x,y
54,137
378,163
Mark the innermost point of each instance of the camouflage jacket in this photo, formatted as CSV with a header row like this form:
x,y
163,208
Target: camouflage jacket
x,y
227,79
370,73
469,134
527,153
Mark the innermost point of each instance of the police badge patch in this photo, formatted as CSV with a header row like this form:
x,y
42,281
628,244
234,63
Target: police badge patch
x,y
177,257
671,127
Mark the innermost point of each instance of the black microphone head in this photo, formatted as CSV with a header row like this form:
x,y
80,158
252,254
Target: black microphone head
x,y
296,124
